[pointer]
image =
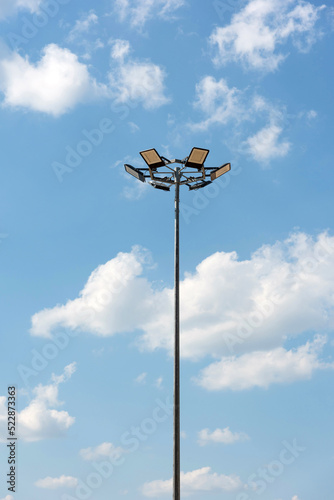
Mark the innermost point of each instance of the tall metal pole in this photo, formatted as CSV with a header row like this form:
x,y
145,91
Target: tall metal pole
x,y
181,175
176,464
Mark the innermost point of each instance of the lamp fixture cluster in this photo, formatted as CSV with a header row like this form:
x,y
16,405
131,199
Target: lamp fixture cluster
x,y
192,171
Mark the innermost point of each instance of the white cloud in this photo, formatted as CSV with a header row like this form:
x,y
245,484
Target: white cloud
x,y
265,145
222,105
135,191
200,480
132,190
9,7
263,368
295,497
133,127
120,49
40,419
8,497
218,101
59,81
158,382
53,85
283,290
53,483
138,12
310,116
261,27
83,25
104,450
103,305
225,436
66,375
141,379
135,81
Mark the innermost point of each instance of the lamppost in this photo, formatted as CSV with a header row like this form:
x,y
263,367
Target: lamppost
x,y
190,172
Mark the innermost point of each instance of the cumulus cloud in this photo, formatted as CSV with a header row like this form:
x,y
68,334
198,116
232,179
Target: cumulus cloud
x,y
53,85
225,436
200,480
258,30
58,81
230,307
53,483
135,81
104,450
266,144
103,305
9,7
40,419
263,368
283,289
138,12
8,497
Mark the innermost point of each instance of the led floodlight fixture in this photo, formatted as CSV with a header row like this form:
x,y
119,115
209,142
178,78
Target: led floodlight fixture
x,y
199,185
197,158
152,158
157,185
220,171
135,172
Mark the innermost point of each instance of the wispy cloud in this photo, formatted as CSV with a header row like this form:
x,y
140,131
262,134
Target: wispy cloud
x,y
158,382
9,7
104,450
83,25
141,379
223,105
139,12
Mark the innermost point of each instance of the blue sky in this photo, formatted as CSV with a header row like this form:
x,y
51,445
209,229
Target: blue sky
x,y
87,251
